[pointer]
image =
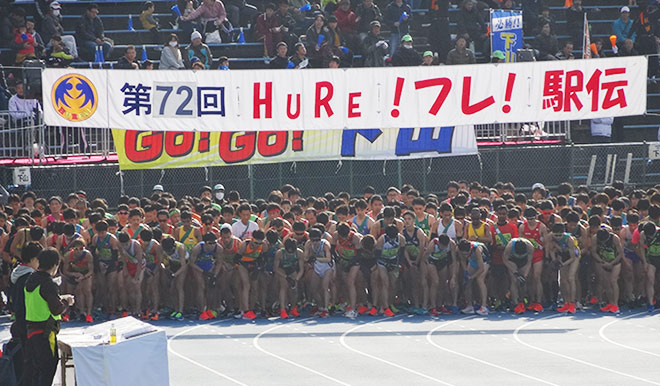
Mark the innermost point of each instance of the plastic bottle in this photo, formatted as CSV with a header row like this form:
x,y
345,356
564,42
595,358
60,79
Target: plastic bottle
x,y
113,334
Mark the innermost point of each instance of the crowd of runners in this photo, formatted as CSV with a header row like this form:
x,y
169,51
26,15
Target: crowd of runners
x,y
474,249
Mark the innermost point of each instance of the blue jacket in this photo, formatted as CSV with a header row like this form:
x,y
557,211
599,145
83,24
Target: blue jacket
x,y
622,30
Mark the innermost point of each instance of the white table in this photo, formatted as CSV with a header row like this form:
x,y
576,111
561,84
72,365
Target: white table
x,y
138,358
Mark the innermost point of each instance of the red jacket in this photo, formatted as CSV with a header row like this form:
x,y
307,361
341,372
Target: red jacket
x,y
346,21
18,39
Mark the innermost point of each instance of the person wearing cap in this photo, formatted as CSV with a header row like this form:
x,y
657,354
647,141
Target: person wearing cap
x,y
461,54
374,47
334,62
158,188
366,13
223,63
538,192
199,50
281,61
397,17
623,26
405,54
51,25
427,58
497,57
90,34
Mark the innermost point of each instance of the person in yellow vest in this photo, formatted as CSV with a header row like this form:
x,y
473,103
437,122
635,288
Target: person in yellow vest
x,y
43,309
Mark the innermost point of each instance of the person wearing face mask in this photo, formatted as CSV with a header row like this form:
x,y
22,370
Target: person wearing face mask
x,y
219,194
51,26
170,56
405,54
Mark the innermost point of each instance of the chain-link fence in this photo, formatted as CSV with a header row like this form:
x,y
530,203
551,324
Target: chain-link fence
x,y
523,166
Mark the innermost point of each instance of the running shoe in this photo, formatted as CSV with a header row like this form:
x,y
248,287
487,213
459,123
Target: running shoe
x,y
173,314
571,308
563,308
89,319
453,310
469,310
124,314
362,309
283,314
212,314
520,308
204,315
65,317
323,314
420,311
250,315
483,311
374,311
434,312
388,313
536,307
351,314
649,308
294,312
606,308
593,300
145,316
614,309
155,316
443,310
394,309
178,316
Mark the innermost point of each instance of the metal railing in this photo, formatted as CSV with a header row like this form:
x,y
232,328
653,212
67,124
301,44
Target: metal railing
x,y
523,132
26,136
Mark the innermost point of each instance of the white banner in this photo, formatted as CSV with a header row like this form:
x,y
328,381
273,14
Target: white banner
x,y
358,98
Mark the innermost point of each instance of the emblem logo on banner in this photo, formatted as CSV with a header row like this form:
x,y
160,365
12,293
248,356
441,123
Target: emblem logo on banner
x,y
74,97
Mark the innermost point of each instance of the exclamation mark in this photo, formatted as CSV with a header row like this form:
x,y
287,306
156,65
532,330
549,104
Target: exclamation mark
x,y
203,141
297,140
397,96
509,91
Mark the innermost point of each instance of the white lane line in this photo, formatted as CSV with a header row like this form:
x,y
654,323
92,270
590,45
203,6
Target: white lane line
x,y
255,343
517,338
601,332
169,348
342,340
430,340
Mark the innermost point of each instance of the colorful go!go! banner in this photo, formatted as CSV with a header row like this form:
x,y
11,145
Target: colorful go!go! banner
x,y
163,150
357,98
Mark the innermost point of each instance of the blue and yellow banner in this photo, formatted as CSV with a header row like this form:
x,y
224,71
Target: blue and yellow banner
x,y
506,33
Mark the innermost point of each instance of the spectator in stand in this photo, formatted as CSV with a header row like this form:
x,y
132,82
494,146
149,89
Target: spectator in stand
x,y
461,54
347,24
507,5
313,34
24,45
187,26
575,21
21,108
287,23
427,58
623,26
405,54
647,30
147,65
51,25
497,57
280,61
374,47
366,13
545,44
240,13
127,61
40,48
269,29
439,29
223,63
544,17
471,25
199,50
299,58
170,56
90,34
149,21
334,62
627,48
598,45
57,54
397,22
566,52
211,14
196,64
337,42
8,24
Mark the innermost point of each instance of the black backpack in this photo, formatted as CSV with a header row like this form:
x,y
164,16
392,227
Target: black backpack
x,y
11,364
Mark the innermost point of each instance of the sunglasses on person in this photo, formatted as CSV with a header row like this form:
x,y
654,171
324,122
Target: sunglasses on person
x,y
299,233
122,213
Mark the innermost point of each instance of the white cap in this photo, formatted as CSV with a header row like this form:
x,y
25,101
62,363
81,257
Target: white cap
x,y
158,188
55,5
225,226
195,35
538,185
625,9
219,187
